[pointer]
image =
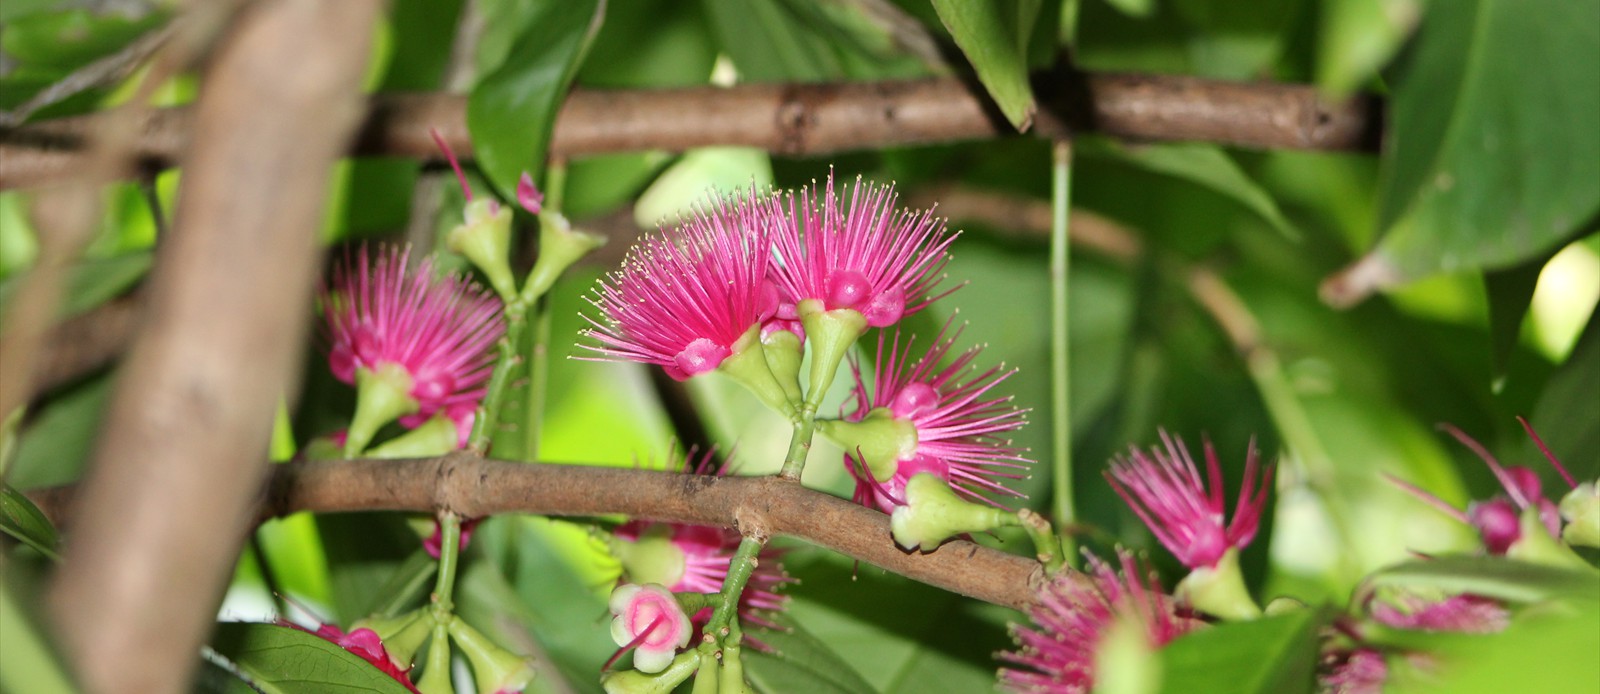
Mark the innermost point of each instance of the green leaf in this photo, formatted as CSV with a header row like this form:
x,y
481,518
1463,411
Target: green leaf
x,y
769,41
68,39
1204,165
798,660
285,659
1356,37
1547,653
1486,163
365,552
216,679
1564,416
54,447
30,663
511,112
994,36
1273,654
1509,291
1495,577
695,175
22,520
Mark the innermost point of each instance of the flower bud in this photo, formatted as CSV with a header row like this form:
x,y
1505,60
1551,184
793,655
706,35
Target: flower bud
x,y
933,513
1537,545
663,682
402,636
437,436
485,239
1219,589
784,351
648,619
1581,509
880,439
494,669
747,364
652,558
383,394
559,247
831,333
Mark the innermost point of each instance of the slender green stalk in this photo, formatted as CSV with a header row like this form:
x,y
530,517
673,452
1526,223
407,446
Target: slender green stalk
x,y
1046,544
740,567
800,446
444,588
1060,390
489,412
406,584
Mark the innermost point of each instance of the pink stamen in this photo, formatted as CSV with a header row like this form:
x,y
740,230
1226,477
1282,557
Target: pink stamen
x,y
450,155
1547,454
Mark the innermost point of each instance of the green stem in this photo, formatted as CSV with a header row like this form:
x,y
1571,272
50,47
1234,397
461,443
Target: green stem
x,y
444,588
538,378
1060,391
489,412
1046,544
800,446
740,567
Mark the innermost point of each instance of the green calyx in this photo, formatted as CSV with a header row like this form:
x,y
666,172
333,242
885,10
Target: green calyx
x,y
485,239
559,247
436,668
784,351
634,682
880,440
1537,545
1581,509
1125,661
831,333
652,558
934,513
1219,590
437,436
402,636
494,669
748,364
382,396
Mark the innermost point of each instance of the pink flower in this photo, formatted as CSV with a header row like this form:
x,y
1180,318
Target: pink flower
x,y
1498,519
439,330
945,423
1467,614
1164,488
364,643
647,618
1358,671
683,299
1071,619
861,254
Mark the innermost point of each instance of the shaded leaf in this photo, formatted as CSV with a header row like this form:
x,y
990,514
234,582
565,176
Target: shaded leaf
x,y
1510,291
1207,166
511,112
994,36
1565,415
1485,165
1356,37
798,661
285,659
1272,654
22,520
1495,577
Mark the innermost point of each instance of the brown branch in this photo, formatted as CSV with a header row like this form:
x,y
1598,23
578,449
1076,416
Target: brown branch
x,y
802,119
754,505
178,463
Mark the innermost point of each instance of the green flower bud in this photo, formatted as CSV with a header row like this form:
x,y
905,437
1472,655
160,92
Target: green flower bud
x,y
1581,508
1219,590
485,239
880,439
652,558
436,669
494,669
831,333
437,436
747,364
1537,545
559,247
934,513
784,352
382,396
635,682
402,636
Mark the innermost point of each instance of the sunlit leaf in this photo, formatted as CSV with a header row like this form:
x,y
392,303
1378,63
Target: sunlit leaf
x,y
994,37
1495,577
20,519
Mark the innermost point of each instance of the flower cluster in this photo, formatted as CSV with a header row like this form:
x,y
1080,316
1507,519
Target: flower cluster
x,y
364,643
1074,615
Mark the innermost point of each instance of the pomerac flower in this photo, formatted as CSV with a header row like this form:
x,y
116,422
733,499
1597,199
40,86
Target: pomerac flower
x,y
1464,613
1164,488
917,417
647,618
1072,619
364,643
846,265
1357,671
1521,523
412,342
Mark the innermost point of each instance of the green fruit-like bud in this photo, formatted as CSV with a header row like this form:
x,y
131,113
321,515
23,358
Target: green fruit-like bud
x,y
831,333
1537,545
1125,660
652,558
559,247
1219,590
494,669
402,636
635,682
880,439
934,513
485,239
1581,509
436,668
437,436
747,364
784,351
382,396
